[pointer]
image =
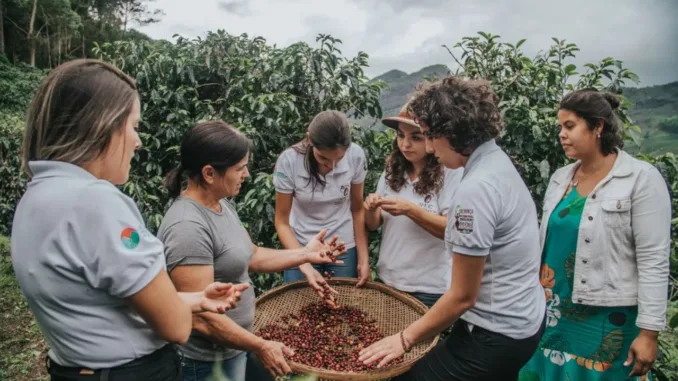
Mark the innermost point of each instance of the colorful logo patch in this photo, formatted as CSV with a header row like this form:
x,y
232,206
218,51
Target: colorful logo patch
x,y
464,220
130,238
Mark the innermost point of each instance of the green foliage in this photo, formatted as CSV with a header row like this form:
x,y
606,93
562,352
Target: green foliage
x,y
669,124
272,93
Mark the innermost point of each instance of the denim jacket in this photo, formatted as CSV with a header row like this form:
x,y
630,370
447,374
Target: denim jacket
x,y
623,247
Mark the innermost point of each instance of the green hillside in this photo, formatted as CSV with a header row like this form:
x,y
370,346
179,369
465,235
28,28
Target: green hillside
x,y
649,106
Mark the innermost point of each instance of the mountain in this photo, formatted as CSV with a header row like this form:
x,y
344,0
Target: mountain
x,y
649,106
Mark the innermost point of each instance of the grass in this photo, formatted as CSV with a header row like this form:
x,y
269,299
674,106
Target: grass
x,y
22,347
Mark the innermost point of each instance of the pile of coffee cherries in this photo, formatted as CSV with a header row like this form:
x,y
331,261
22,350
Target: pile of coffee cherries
x,y
327,337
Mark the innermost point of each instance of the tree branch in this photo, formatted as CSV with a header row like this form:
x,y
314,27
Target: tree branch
x,y
17,26
455,58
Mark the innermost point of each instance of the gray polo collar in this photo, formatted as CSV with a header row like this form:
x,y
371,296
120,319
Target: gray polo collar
x,y
482,150
43,169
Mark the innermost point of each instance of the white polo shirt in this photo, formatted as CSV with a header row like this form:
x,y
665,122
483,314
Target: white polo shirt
x,y
493,216
410,258
79,248
328,207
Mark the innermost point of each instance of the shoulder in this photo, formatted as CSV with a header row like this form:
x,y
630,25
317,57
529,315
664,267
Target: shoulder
x,y
356,152
562,174
452,176
99,197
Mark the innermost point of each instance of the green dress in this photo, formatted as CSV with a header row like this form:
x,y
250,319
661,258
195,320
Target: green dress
x,y
580,343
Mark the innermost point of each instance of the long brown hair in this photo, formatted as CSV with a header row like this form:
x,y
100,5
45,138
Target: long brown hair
x,y
75,112
397,167
328,130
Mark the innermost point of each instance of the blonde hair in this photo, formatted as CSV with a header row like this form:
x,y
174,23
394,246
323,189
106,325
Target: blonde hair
x,y
75,112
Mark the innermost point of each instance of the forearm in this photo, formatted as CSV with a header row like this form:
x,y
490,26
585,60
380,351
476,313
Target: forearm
x,y
373,219
286,235
267,260
360,232
192,300
431,222
445,312
223,331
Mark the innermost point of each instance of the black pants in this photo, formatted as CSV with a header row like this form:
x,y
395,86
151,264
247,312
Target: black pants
x,y
479,355
161,365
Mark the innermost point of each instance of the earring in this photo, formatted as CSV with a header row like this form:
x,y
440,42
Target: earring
x,y
598,136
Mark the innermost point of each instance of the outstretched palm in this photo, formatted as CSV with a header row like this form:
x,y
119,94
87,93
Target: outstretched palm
x,y
220,297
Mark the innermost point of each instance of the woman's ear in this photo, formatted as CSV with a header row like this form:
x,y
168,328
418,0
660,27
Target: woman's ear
x,y
208,174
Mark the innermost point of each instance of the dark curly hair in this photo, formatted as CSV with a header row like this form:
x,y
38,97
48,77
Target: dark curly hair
x,y
397,166
463,111
594,106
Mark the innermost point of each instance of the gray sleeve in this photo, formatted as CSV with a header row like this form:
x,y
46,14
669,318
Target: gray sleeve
x,y
119,254
450,185
359,165
187,243
473,219
283,174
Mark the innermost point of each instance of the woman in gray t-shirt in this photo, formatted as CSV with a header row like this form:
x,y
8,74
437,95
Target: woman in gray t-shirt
x,y
205,241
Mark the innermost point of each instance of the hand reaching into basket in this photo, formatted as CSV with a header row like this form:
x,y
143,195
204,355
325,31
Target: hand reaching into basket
x,y
386,350
272,356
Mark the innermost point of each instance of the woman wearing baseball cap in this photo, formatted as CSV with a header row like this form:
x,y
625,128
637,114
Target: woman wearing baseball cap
x,y
411,201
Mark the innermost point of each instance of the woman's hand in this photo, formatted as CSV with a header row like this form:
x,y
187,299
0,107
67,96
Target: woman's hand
x,y
318,283
395,206
372,202
386,349
364,272
220,297
321,252
644,351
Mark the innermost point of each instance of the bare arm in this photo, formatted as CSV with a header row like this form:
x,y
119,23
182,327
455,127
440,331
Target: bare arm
x,y
467,274
224,331
163,309
431,222
360,232
373,218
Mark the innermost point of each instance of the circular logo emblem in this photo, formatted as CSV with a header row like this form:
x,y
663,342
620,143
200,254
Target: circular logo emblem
x,y
130,238
428,198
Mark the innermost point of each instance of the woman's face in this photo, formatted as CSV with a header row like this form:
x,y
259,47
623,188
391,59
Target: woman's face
x,y
117,160
411,143
575,136
442,150
231,181
328,159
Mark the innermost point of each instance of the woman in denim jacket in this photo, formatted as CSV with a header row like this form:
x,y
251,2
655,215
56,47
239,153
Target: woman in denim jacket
x,y
605,236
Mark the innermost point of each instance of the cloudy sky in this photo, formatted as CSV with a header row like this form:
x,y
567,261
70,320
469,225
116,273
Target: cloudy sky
x,y
407,35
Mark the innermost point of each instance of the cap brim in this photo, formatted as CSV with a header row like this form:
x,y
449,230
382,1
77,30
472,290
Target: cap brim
x,y
394,121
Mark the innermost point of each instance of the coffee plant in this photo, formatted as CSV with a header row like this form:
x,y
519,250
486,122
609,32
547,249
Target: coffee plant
x,y
272,93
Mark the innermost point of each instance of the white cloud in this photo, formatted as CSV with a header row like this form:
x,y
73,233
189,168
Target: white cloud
x,y
407,35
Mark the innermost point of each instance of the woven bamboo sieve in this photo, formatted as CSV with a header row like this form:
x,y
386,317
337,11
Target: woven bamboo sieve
x,y
392,309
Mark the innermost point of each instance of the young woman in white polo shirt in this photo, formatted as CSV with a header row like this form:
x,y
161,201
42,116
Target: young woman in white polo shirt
x,y
319,184
411,202
93,275
495,301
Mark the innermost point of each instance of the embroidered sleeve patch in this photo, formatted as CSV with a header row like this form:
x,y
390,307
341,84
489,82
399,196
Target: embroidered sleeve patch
x,y
463,220
280,174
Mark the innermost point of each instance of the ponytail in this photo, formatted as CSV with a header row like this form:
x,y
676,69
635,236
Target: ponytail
x,y
173,181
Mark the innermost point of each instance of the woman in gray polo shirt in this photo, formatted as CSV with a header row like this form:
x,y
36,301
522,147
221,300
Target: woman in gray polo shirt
x,y
205,241
495,301
92,275
411,202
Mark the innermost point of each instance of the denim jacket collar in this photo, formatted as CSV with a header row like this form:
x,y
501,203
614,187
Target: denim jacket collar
x,y
623,166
